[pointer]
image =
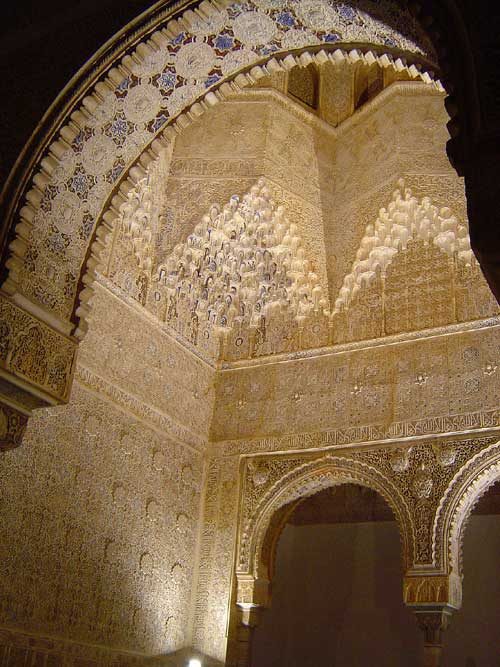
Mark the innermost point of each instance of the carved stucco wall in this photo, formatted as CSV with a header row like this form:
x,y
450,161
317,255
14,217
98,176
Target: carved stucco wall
x,y
366,394
146,407
99,509
132,353
396,136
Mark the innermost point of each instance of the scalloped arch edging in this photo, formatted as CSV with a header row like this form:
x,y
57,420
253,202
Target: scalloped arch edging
x,y
306,480
470,483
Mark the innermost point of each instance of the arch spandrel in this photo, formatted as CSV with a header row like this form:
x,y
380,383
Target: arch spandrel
x,y
300,481
416,481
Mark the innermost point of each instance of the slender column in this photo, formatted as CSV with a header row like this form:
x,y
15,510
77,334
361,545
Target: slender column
x,y
433,624
249,618
252,598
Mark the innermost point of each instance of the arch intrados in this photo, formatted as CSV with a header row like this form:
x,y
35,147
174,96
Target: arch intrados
x,y
281,518
303,482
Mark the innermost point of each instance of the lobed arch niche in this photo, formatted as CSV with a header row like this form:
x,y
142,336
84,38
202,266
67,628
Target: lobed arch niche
x,y
336,584
262,521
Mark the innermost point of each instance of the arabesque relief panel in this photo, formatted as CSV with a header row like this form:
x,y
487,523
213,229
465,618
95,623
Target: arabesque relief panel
x,y
107,546
379,388
396,136
132,353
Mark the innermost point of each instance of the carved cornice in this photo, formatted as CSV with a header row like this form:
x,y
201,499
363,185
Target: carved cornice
x,y
442,427
396,89
448,330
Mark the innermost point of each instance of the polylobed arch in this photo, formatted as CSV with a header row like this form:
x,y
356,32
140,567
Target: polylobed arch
x,y
261,523
254,554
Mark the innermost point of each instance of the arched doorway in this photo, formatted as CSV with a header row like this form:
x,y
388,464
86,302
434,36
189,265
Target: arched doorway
x,y
336,587
472,639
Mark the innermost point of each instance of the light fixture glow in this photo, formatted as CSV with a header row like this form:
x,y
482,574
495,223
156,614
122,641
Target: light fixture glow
x,y
194,662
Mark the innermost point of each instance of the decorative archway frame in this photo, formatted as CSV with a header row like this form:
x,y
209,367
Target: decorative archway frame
x,y
469,484
203,51
403,475
302,480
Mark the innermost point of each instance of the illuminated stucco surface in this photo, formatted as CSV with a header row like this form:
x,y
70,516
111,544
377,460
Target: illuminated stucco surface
x,y
369,353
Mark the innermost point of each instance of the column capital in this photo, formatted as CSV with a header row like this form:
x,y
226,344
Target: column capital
x,y
421,590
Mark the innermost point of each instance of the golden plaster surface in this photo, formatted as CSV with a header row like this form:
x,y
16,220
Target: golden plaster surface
x,y
111,485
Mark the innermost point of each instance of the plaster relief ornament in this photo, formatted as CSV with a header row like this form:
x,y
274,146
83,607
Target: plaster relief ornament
x,y
151,63
132,112
203,26
259,473
406,218
195,60
317,14
105,111
142,103
242,270
445,454
66,207
235,60
400,459
422,483
98,154
182,96
254,28
296,39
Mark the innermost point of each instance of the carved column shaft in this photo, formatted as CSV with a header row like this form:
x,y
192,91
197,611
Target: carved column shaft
x,y
248,619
